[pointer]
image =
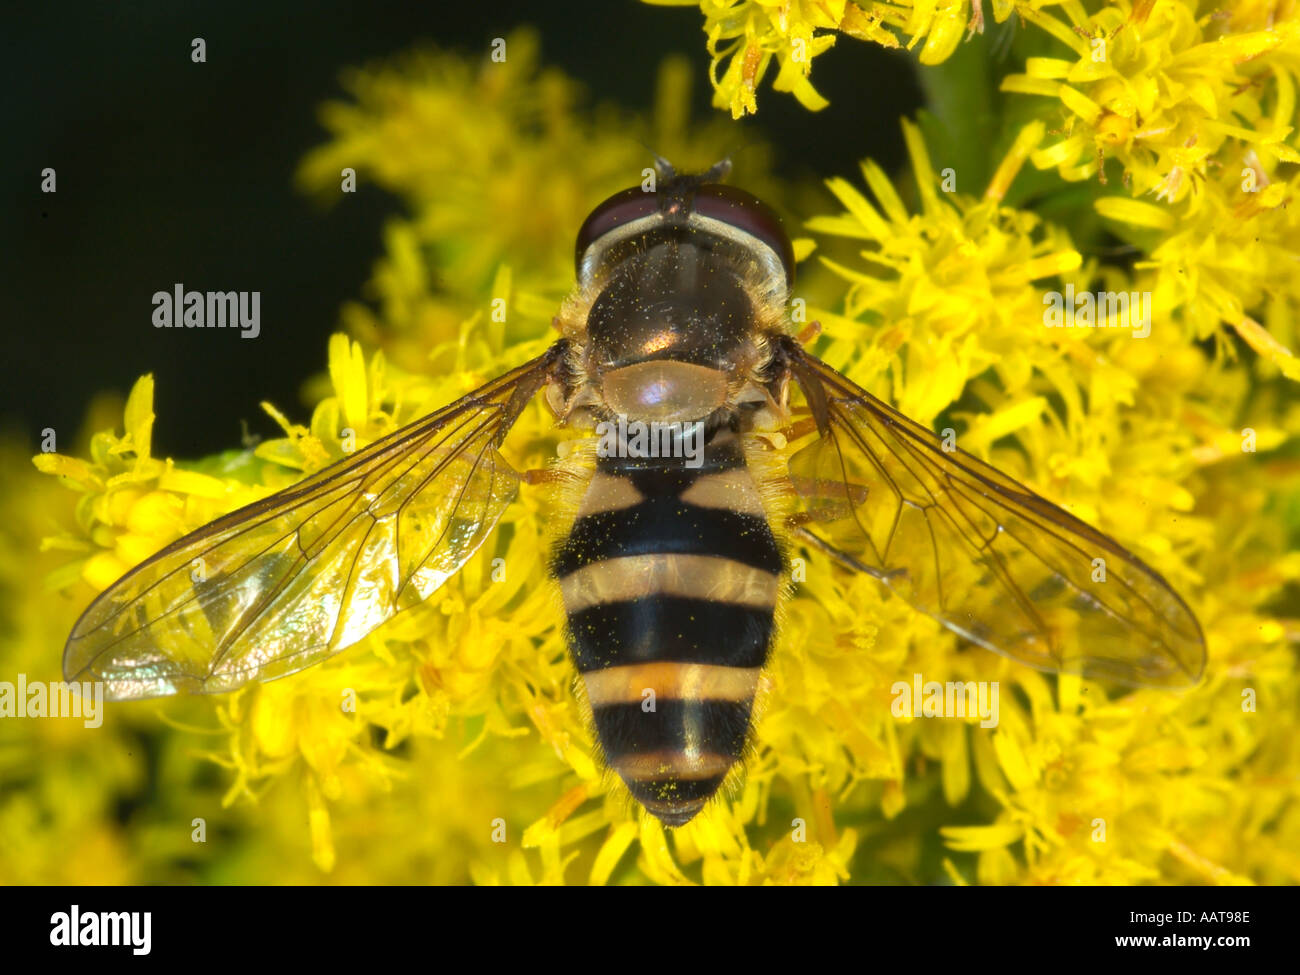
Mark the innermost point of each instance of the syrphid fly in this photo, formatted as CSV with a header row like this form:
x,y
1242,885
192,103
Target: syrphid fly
x,y
720,444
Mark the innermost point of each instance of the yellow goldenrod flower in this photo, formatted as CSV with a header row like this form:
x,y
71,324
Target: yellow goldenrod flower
x,y
746,36
1143,443
1199,114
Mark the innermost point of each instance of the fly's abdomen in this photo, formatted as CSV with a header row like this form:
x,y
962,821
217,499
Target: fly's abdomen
x,y
670,578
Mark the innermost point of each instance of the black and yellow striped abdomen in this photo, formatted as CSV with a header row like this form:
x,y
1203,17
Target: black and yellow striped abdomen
x,y
670,578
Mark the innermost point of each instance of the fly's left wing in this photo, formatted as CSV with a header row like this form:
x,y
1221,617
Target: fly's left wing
x,y
982,554
290,580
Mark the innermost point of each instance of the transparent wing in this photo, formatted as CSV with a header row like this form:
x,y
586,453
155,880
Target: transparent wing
x,y
290,580
982,554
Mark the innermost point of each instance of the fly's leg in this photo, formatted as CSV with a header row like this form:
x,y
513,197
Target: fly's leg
x,y
797,530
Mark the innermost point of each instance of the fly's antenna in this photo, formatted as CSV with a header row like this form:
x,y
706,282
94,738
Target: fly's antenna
x,y
721,169
718,172
666,170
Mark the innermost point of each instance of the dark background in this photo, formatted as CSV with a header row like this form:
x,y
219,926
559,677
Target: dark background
x,y
174,171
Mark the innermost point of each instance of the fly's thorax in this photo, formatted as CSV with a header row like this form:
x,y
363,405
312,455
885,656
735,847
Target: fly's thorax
x,y
669,332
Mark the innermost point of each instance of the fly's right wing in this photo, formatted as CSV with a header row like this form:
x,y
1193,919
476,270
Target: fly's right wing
x,y
982,554
294,578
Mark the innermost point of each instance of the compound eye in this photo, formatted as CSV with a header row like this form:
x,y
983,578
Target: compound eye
x,y
749,215
621,208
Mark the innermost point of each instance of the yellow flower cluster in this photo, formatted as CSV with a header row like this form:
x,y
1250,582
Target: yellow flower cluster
x,y
1198,109
1147,438
746,36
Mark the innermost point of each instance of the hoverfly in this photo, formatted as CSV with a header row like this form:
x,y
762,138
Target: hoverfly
x,y
673,566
